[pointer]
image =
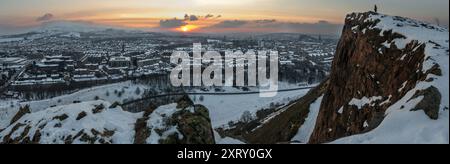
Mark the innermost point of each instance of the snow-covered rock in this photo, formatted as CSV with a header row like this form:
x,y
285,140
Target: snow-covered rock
x,y
99,122
388,84
87,122
403,81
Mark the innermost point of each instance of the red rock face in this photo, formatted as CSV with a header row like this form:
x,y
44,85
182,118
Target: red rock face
x,y
363,67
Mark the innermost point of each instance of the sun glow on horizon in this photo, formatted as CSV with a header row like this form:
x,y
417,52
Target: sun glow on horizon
x,y
187,28
184,29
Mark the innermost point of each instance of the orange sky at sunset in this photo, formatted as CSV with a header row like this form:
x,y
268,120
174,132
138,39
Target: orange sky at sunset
x,y
319,16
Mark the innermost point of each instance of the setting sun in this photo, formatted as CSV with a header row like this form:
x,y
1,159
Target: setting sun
x,y
184,29
187,28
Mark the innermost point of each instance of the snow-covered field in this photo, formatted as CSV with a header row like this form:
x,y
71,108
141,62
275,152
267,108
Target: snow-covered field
x,y
10,39
119,92
226,108
226,140
281,86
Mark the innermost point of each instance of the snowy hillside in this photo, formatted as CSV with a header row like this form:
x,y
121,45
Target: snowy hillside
x,y
70,26
226,108
87,122
99,122
119,92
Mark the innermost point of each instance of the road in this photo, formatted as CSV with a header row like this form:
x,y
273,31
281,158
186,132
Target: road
x,y
212,93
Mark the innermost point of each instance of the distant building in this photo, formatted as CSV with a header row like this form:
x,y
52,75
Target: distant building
x,y
12,63
147,62
92,58
120,62
53,64
57,60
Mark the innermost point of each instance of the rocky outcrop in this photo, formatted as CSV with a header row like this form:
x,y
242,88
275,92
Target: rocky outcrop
x,y
194,126
380,61
370,73
94,123
180,123
22,111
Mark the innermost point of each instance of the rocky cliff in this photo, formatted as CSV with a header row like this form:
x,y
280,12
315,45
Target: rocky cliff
x,y
379,59
387,75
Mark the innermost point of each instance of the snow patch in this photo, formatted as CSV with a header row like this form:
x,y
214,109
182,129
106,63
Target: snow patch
x,y
306,130
365,101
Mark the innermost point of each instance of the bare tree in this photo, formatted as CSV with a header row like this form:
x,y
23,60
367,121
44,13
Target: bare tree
x,y
437,21
246,117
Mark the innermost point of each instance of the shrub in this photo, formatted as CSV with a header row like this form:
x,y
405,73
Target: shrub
x,y
246,117
138,91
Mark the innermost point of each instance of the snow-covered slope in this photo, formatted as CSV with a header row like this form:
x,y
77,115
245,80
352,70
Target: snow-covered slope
x,y
226,108
307,128
99,122
87,122
118,92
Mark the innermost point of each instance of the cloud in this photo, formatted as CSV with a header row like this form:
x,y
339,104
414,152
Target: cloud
x,y
192,18
263,21
45,17
272,25
219,16
209,16
172,23
241,23
323,22
230,24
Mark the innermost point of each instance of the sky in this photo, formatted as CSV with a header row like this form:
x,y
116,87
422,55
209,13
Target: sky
x,y
213,16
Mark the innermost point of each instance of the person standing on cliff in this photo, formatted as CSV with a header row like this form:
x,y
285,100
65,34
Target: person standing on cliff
x,y
375,8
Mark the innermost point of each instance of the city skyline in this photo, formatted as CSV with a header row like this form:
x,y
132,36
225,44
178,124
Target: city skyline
x,y
298,16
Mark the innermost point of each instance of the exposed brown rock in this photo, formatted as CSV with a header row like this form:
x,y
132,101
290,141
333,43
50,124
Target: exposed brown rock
x,y
61,117
360,70
22,111
140,128
194,126
7,138
98,109
81,115
362,67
